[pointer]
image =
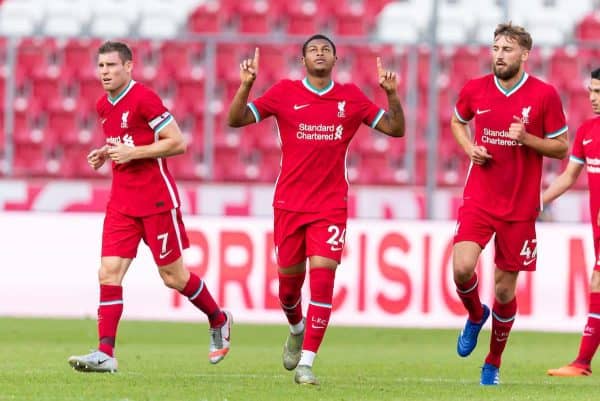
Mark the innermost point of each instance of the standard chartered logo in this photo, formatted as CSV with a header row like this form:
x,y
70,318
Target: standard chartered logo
x,y
498,137
319,132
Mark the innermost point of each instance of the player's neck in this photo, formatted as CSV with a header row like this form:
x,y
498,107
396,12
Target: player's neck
x,y
116,92
510,83
319,83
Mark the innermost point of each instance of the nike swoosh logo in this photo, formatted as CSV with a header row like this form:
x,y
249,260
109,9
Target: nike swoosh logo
x,y
318,327
298,107
483,111
164,255
103,121
335,249
102,361
586,141
528,262
501,340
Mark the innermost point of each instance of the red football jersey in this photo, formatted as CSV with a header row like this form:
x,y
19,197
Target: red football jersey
x,y
586,149
508,185
135,117
315,129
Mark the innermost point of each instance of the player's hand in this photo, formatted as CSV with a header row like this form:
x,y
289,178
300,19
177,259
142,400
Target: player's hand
x,y
120,153
97,157
387,79
249,68
479,155
516,130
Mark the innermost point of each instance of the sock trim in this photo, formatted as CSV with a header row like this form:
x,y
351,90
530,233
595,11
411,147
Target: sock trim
x,y
198,291
468,290
293,306
321,304
503,319
108,303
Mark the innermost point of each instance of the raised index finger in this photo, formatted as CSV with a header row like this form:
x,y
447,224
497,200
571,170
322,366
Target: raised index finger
x,y
379,67
256,56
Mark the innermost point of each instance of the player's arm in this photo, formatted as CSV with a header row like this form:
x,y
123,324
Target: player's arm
x,y
462,134
563,182
239,112
556,147
392,121
170,142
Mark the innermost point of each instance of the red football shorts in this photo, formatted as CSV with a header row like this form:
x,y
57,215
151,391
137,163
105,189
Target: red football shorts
x,y
164,233
300,235
515,241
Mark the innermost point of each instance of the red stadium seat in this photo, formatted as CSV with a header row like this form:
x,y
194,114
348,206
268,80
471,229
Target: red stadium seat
x,y
208,18
302,19
564,66
90,91
589,28
63,125
47,90
350,21
254,17
186,166
190,92
466,63
30,160
228,165
33,55
79,58
269,166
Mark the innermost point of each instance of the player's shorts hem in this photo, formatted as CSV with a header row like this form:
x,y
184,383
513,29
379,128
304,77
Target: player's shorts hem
x,y
456,240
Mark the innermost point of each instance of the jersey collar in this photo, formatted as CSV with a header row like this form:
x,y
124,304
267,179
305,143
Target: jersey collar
x,y
115,100
314,90
508,92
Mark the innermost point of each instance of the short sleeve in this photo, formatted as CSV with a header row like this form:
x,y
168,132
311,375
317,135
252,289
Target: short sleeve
x,y
577,152
463,109
154,111
371,112
555,123
268,104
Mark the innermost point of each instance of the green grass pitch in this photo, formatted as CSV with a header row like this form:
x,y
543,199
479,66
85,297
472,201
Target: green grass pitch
x,y
167,361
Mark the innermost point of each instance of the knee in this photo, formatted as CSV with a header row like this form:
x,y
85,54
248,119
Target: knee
x,y
108,274
504,294
595,283
463,269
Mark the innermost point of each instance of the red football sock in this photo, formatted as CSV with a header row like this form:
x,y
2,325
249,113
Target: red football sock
x,y
290,295
503,317
469,295
591,334
199,295
319,309
109,314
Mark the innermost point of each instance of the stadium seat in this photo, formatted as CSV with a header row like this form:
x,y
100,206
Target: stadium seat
x,y
208,18
350,21
564,68
158,27
108,25
63,124
588,28
20,17
403,21
254,17
269,166
30,160
79,58
228,165
302,19
186,166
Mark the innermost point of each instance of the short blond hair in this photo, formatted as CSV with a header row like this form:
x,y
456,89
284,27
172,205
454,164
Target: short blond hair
x,y
515,32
